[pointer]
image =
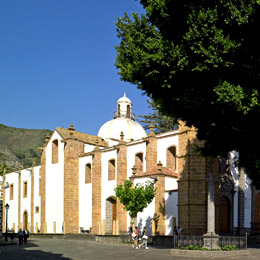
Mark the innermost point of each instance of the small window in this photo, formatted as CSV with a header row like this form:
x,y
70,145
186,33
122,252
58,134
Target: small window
x,y
88,173
37,209
171,158
111,170
139,162
25,189
11,191
128,113
55,151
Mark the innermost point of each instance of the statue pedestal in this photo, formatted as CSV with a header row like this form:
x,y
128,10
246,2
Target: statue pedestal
x,y
211,241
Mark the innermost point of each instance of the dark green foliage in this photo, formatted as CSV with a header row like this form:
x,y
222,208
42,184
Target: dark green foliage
x,y
135,199
200,62
160,122
4,166
20,146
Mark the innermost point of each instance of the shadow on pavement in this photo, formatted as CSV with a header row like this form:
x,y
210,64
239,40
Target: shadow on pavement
x,y
26,251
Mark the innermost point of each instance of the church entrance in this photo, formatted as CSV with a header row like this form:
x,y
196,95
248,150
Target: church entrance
x,y
110,215
224,215
257,214
25,220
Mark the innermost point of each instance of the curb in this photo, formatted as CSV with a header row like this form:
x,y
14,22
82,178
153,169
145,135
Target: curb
x,y
200,253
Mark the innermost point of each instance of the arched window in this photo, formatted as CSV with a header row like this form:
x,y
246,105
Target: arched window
x,y
171,158
55,151
139,162
88,173
111,170
118,110
128,111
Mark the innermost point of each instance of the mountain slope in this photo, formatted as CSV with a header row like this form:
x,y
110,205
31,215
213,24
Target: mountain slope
x,y
20,146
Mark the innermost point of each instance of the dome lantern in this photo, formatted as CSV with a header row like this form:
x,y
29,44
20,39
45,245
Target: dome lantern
x,y
124,108
124,121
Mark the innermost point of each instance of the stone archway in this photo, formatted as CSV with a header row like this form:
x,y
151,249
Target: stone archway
x,y
224,215
110,214
25,219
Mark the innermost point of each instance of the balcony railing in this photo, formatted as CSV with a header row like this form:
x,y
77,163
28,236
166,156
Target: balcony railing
x,y
118,114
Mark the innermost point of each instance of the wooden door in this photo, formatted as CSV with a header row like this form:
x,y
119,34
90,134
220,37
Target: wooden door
x,y
224,215
25,220
257,214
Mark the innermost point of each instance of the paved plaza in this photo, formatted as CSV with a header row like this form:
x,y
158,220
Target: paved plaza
x,y
78,249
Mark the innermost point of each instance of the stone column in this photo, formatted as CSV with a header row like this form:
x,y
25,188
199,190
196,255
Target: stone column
x,y
96,191
73,149
192,187
151,150
160,206
211,239
121,214
42,184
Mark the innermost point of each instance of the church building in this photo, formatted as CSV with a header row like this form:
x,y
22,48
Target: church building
x,y
72,190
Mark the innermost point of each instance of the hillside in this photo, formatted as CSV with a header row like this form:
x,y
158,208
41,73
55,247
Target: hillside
x,y
20,146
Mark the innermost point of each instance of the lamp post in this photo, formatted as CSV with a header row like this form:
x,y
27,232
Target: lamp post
x,y
6,213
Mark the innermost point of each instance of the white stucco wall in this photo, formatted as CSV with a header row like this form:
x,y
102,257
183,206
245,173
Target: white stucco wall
x,y
54,186
85,195
88,148
26,201
37,198
132,150
12,178
163,144
234,172
144,219
248,202
171,211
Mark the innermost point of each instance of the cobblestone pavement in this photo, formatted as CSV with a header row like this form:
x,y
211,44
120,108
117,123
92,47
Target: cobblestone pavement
x,y
78,250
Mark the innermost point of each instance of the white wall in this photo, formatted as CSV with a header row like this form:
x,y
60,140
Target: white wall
x,y
12,178
37,198
144,219
132,150
171,211
85,195
248,202
234,172
88,148
26,201
162,146
54,186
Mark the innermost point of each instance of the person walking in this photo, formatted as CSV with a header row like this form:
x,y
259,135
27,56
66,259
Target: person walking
x,y
144,239
20,236
130,231
135,236
26,235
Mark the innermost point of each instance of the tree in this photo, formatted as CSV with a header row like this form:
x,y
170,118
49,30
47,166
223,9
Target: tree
x,y
200,61
4,167
160,122
135,199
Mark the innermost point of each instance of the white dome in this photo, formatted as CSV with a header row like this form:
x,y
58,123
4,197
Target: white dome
x,y
113,128
124,121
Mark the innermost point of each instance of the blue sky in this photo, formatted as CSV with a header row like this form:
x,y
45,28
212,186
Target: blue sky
x,y
57,63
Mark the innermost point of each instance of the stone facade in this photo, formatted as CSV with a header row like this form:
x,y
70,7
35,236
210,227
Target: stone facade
x,y
77,185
